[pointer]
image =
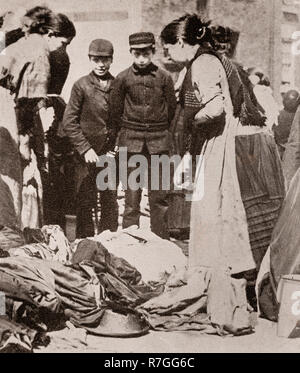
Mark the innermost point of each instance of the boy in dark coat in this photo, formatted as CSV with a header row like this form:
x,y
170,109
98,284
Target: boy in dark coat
x,y
142,106
86,125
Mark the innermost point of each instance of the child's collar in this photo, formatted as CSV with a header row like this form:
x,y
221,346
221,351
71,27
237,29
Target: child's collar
x,y
150,69
105,77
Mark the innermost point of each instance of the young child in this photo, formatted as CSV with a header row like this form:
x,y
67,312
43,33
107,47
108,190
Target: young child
x,y
86,125
142,106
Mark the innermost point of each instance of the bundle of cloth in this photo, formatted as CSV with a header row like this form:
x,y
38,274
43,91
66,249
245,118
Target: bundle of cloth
x,y
205,300
97,292
202,299
48,242
153,257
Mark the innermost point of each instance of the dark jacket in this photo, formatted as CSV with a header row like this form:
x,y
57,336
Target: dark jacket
x,y
142,106
86,116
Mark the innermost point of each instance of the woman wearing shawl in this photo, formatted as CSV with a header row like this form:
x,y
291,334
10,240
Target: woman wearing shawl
x,y
240,169
25,76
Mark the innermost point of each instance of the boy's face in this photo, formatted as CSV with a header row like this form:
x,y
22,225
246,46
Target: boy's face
x,y
142,57
100,65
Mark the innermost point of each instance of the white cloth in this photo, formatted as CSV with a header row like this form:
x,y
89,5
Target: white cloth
x,y
265,98
152,256
32,197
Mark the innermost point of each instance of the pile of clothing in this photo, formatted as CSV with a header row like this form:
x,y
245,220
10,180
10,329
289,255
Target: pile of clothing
x,y
115,284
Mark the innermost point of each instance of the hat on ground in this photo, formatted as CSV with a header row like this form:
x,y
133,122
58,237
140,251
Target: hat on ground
x,y
101,48
141,40
119,323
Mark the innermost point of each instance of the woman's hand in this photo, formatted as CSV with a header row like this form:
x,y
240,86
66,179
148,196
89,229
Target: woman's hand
x,y
91,156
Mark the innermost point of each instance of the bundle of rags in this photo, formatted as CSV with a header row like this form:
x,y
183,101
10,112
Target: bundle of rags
x,y
81,293
205,300
48,243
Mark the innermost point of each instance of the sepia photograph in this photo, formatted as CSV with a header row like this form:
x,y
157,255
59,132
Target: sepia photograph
x,y
149,179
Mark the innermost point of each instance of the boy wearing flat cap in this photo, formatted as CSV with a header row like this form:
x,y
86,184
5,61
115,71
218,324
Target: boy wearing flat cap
x,y
86,124
142,106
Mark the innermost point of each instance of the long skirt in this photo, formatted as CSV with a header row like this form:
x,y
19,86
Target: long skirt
x,y
219,232
10,163
228,206
262,188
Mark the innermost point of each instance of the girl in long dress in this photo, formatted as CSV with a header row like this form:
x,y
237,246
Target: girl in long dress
x,y
25,75
239,166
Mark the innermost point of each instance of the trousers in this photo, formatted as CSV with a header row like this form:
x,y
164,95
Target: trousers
x,y
158,199
89,199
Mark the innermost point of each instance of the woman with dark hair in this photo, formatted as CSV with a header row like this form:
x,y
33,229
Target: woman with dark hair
x,y
25,76
239,166
56,166
261,86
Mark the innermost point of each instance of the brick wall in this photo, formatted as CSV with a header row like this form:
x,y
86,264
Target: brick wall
x,y
258,22
157,13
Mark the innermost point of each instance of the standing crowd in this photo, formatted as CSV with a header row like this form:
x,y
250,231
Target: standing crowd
x,y
49,149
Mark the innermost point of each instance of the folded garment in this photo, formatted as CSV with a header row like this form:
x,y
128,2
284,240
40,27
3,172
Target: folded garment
x,y
89,250
122,282
78,291
30,281
153,257
49,243
206,300
18,338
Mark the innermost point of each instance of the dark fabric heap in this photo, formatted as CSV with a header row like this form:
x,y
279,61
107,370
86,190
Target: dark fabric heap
x,y
96,287
106,296
122,281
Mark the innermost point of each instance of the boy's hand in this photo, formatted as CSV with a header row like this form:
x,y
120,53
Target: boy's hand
x,y
91,156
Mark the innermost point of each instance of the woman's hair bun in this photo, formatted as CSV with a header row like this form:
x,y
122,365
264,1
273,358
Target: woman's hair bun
x,y
195,30
190,27
41,17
